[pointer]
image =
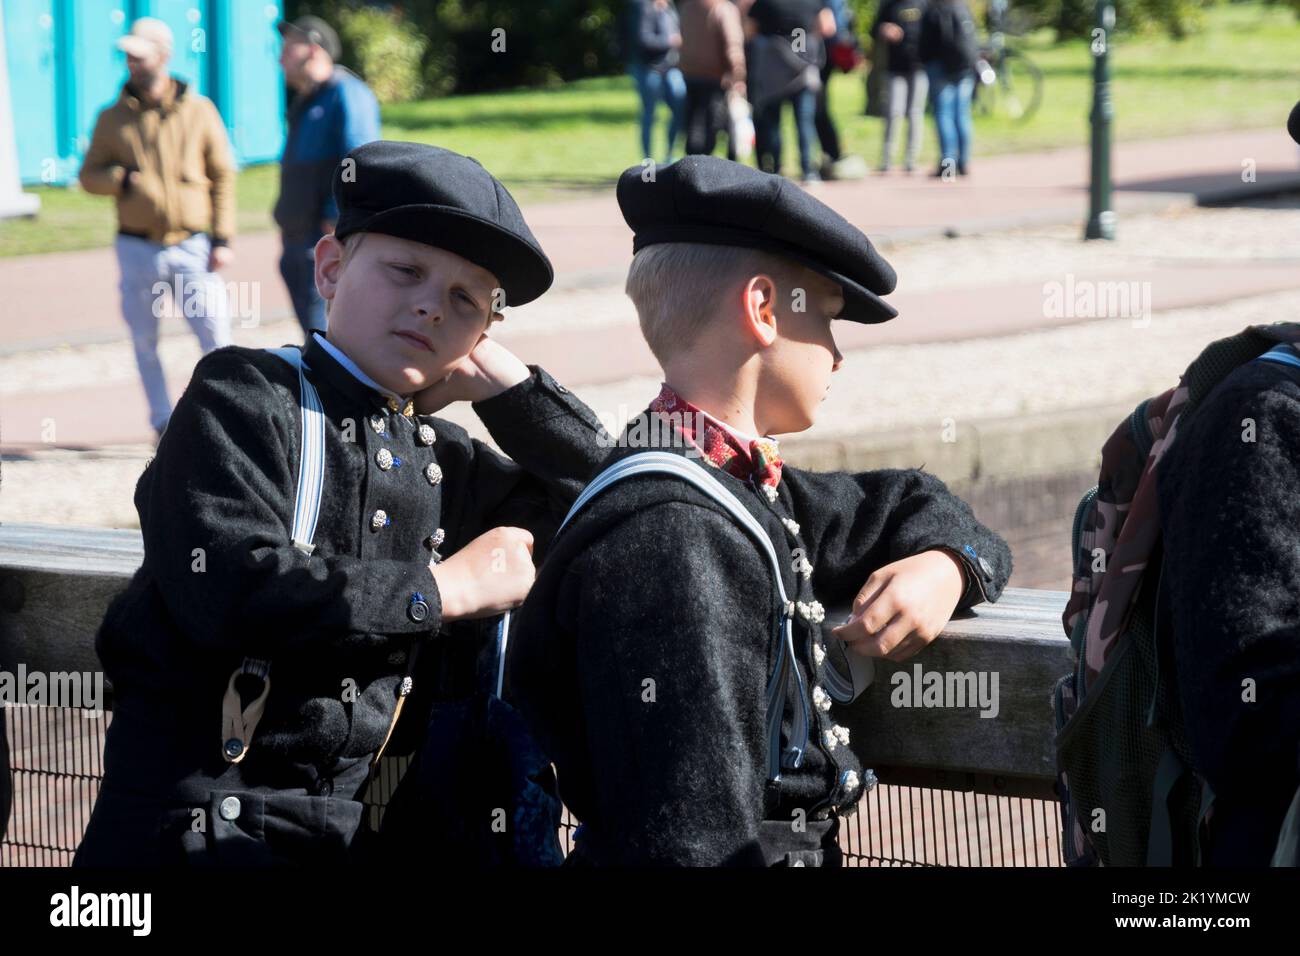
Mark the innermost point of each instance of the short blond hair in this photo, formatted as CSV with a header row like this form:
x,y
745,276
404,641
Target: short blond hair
x,y
350,245
678,287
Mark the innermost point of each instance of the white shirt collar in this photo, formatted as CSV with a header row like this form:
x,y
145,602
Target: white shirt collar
x,y
355,371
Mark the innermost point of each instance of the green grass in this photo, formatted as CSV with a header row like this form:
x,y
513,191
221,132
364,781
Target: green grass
x,y
1239,72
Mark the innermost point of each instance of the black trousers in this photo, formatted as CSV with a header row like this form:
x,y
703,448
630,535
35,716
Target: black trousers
x,y
826,132
706,115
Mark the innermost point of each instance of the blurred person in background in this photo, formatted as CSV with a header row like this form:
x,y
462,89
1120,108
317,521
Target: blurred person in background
x,y
161,149
332,112
655,44
788,52
897,32
949,51
713,64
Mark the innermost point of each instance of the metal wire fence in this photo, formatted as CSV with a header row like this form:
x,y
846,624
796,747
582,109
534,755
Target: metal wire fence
x,y
56,765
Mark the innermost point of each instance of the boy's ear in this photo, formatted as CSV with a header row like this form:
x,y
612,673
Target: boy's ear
x,y
329,265
758,303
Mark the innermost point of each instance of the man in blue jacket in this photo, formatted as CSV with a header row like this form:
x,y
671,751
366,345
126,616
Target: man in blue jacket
x,y
332,112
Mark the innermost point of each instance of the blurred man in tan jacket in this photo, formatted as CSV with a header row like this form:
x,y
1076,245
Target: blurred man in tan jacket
x,y
713,62
161,149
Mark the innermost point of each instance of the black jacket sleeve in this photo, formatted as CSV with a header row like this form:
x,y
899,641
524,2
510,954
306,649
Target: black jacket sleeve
x,y
1231,515
676,762
554,443
651,35
215,510
856,523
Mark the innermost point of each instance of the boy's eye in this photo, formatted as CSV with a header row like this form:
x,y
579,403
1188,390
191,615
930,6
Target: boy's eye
x,y
466,298
405,270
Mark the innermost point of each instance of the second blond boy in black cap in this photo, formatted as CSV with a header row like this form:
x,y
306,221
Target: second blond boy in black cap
x,y
687,700
309,526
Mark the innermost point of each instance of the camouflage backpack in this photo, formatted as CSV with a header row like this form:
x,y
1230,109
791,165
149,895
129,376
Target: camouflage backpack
x,y
1129,795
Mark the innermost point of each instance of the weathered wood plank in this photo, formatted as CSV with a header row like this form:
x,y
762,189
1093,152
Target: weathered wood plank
x,y
55,583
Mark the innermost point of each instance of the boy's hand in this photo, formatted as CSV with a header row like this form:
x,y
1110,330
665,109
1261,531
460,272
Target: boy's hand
x,y
489,369
489,575
904,606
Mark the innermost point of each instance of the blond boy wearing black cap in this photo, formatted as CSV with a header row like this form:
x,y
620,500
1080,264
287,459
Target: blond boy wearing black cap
x,y
670,656
309,526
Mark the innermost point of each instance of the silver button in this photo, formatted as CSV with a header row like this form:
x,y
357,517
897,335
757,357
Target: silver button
x,y
230,808
377,423
986,568
433,473
435,539
378,519
426,435
384,458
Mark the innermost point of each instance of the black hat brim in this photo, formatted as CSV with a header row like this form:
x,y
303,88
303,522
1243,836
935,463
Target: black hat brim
x,y
860,303
522,269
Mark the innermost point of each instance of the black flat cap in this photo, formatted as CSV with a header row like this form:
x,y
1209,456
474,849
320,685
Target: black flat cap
x,y
432,195
313,30
713,200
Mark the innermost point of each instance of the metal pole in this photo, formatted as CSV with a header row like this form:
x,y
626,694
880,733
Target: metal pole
x,y
1101,218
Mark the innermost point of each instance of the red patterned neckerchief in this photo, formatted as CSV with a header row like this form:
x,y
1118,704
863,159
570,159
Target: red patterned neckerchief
x,y
722,446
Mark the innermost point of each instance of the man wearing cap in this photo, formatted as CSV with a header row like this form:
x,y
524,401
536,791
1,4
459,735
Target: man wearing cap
x,y
162,151
691,707
332,112
318,545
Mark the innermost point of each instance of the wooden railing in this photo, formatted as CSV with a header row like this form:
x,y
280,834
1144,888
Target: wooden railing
x,y
55,583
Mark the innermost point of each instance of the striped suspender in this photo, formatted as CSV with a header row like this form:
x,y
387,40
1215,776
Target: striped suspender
x,y
239,723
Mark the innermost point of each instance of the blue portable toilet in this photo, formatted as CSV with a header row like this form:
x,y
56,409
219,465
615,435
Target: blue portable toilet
x,y
93,70
65,68
30,50
249,84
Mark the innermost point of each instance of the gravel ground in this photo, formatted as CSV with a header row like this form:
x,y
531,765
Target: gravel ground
x,y
1077,366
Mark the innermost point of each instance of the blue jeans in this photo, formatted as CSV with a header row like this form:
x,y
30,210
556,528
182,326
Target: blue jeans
x,y
670,87
768,132
951,96
298,267
152,273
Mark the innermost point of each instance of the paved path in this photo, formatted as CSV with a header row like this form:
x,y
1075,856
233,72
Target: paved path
x,y
69,299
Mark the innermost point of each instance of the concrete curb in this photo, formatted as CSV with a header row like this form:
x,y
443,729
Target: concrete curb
x,y
1043,443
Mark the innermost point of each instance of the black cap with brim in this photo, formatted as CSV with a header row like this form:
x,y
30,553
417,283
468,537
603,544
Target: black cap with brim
x,y
860,303
313,30
431,195
711,200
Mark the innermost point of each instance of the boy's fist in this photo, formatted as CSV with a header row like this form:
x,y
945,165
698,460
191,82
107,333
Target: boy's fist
x,y
489,575
904,606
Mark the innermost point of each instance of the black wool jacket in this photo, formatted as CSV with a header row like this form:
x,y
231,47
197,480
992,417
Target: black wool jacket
x,y
221,581
641,656
1229,493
